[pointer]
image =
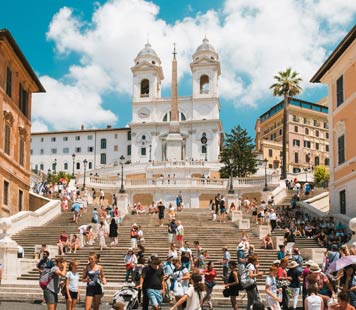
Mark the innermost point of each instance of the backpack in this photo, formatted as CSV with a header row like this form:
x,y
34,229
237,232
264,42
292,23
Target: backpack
x,y
45,278
245,281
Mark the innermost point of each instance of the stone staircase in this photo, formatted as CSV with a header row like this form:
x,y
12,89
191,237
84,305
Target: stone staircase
x,y
211,235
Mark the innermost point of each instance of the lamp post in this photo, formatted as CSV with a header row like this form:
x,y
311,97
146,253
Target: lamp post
x,y
150,158
231,189
281,157
73,158
122,162
85,170
206,152
48,174
265,189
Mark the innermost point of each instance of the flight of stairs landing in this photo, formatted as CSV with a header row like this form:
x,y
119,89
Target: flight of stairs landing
x,y
197,224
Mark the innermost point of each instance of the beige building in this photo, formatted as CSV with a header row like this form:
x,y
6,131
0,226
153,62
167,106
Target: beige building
x,y
339,73
17,83
307,136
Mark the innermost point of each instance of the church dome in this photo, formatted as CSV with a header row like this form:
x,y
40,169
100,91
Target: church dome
x,y
205,46
147,50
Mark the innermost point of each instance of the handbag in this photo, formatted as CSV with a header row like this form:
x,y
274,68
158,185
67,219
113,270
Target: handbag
x,y
178,289
226,292
129,266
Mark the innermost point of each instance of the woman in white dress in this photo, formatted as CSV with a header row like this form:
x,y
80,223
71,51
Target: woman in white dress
x,y
313,301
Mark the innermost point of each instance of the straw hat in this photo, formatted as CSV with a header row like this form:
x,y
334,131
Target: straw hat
x,y
314,268
292,264
309,262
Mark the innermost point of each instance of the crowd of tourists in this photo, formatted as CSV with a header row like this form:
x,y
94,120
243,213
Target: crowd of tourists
x,y
187,276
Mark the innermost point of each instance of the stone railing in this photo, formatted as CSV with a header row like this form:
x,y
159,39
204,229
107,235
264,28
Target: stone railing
x,y
24,219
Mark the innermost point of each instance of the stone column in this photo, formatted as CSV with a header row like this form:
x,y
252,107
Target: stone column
x,y
8,252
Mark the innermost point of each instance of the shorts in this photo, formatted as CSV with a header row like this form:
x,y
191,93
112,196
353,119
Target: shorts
x,y
179,237
50,297
154,296
222,210
254,213
73,295
161,216
94,290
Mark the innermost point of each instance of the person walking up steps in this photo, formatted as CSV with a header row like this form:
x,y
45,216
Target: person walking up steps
x,y
161,208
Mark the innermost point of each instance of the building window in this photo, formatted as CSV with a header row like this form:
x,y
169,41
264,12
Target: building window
x,y
116,136
327,161
54,151
90,149
42,139
280,132
317,133
90,137
342,196
65,138
7,139
78,166
326,125
295,128
116,148
129,135
315,123
307,158
103,159
145,88
129,150
305,120
41,167
339,91
270,152
65,166
66,150
31,152
296,142
341,149
327,147
307,144
296,158
307,131
317,146
103,143
41,151
8,82
20,200
77,138
90,165
326,135
23,100
78,149
6,193
143,151
22,153
53,139
204,84
295,118
316,161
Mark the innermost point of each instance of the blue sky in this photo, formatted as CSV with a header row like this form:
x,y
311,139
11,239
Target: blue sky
x,y
83,50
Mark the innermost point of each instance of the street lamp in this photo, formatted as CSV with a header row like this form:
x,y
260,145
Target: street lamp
x,y
206,152
73,157
231,189
122,162
85,170
55,166
265,189
150,158
48,174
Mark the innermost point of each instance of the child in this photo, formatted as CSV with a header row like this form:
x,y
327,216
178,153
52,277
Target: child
x,y
72,285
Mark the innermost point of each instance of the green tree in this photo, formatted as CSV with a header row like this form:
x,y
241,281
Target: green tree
x,y
321,176
54,178
286,85
238,147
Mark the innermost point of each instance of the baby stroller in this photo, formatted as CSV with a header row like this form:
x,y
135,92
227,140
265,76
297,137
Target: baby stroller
x,y
126,298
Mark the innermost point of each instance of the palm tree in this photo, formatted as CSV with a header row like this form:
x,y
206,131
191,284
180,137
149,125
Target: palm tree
x,y
287,85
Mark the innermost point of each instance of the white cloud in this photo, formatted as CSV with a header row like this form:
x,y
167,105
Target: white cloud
x,y
68,107
39,126
255,40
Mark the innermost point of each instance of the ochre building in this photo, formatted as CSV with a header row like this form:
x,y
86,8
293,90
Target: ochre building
x,y
17,83
307,136
339,73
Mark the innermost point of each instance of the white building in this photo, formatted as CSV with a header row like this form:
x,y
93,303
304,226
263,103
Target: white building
x,y
100,147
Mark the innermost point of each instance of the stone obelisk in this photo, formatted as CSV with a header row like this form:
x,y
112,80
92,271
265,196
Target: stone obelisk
x,y
174,138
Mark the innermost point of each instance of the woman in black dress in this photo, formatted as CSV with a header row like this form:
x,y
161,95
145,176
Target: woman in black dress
x,y
232,284
113,232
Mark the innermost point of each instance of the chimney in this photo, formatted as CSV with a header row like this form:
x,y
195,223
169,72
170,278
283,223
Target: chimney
x,y
81,127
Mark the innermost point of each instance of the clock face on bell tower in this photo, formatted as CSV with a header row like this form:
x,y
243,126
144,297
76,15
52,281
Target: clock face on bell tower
x,y
144,112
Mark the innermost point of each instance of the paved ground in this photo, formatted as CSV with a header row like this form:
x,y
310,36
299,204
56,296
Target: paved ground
x,y
28,306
